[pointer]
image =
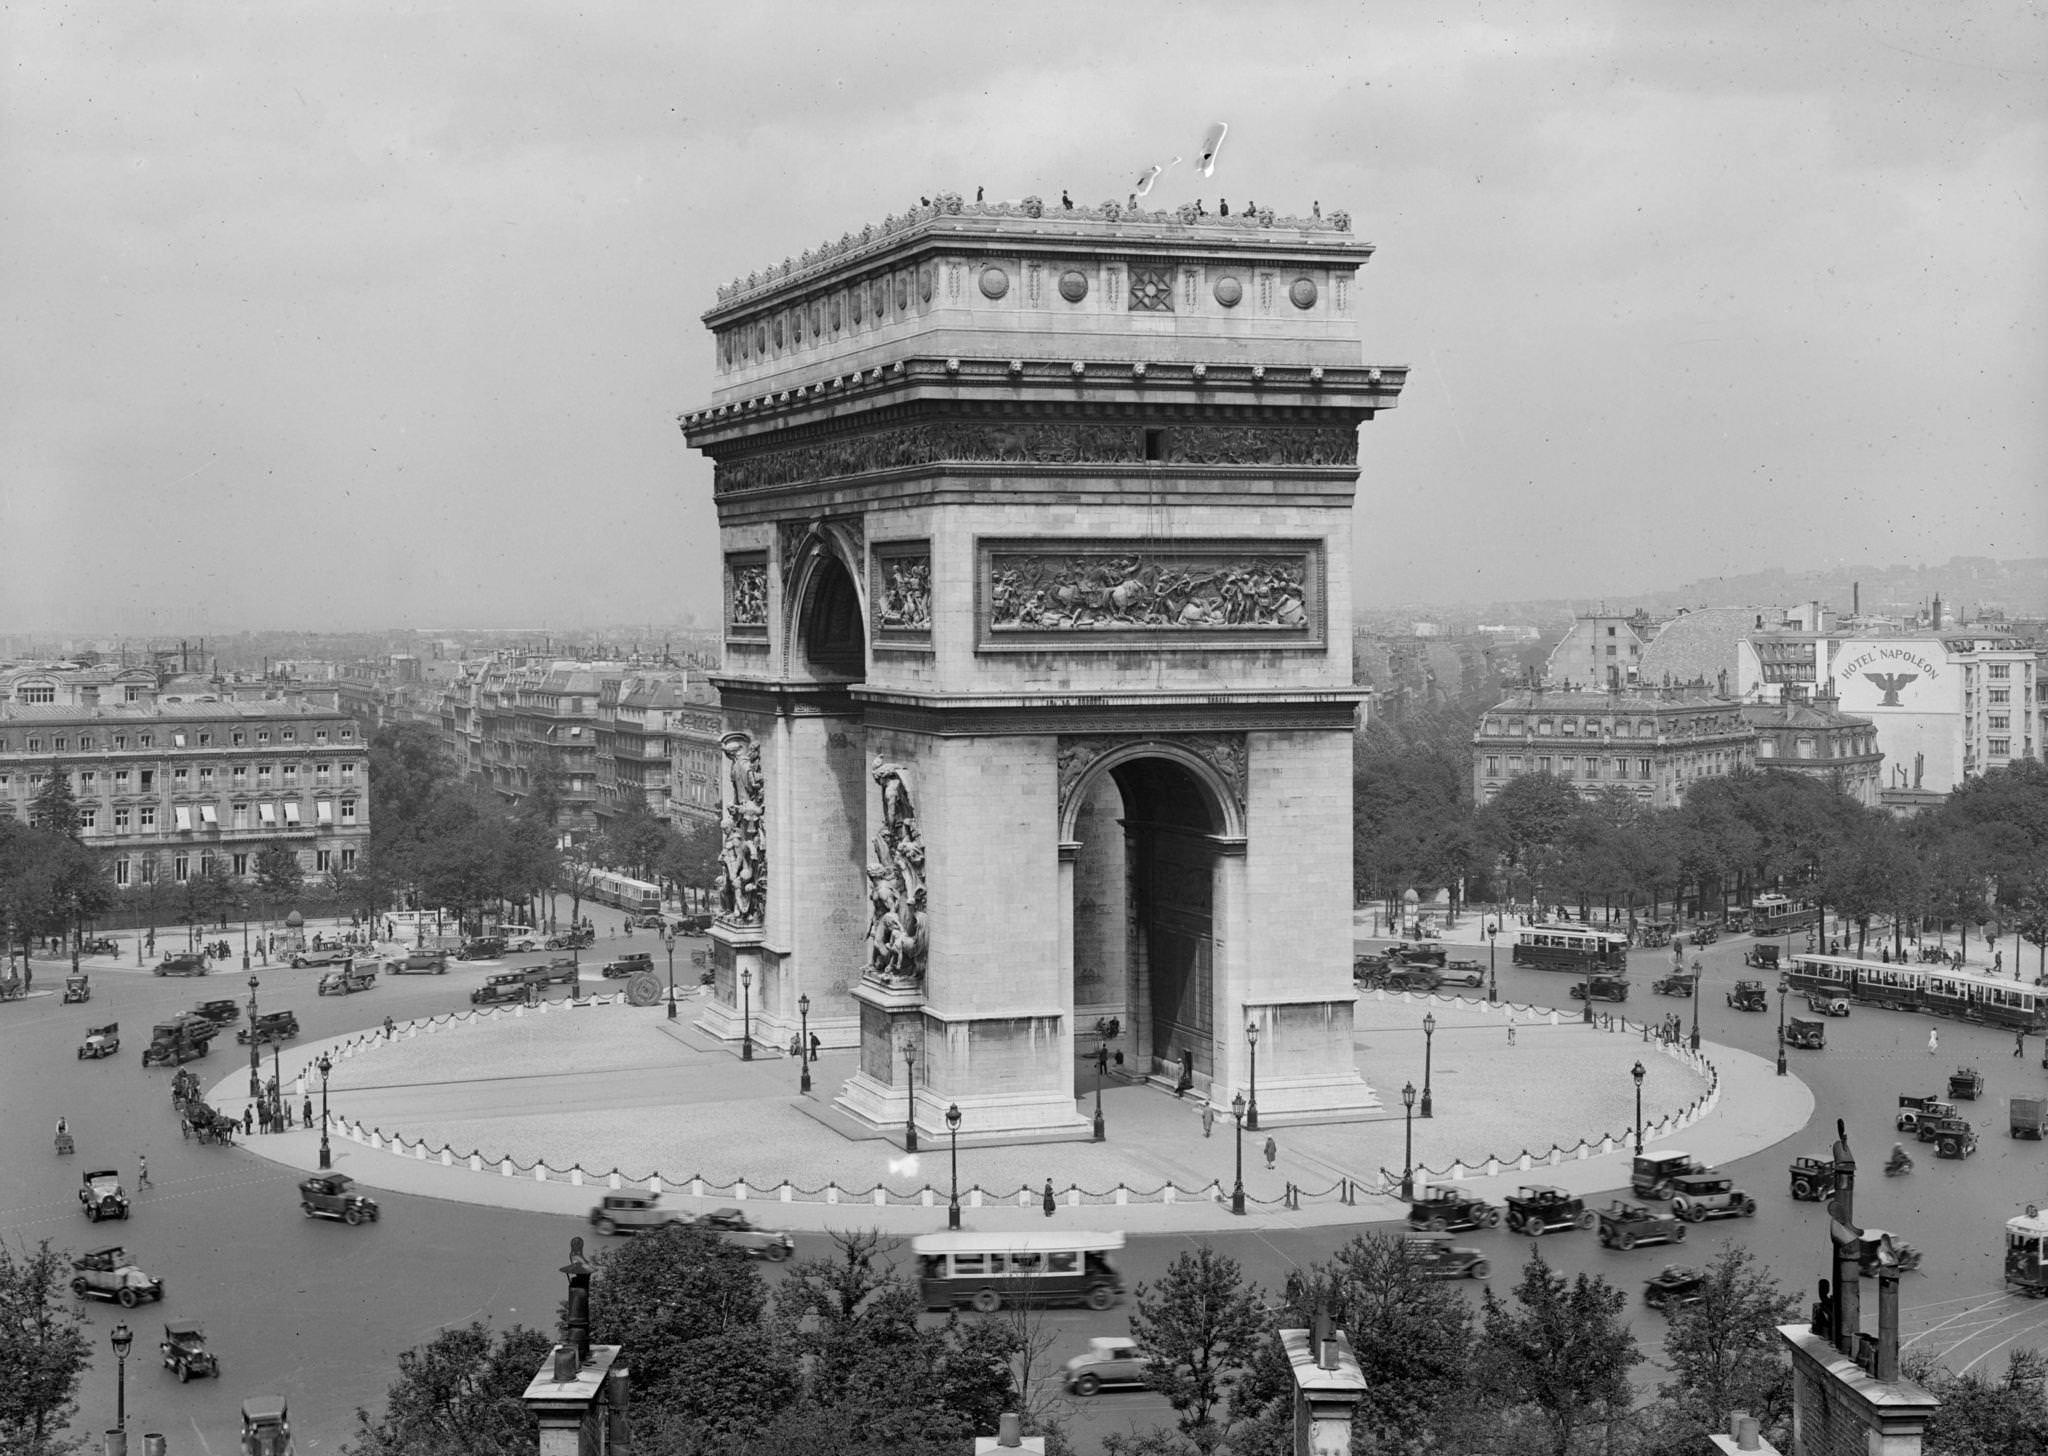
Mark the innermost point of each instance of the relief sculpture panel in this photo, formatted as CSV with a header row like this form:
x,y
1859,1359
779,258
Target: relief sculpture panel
x,y
902,591
1231,590
898,933
746,594
742,883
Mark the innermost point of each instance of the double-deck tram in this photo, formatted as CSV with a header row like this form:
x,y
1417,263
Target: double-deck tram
x,y
1571,948
1959,994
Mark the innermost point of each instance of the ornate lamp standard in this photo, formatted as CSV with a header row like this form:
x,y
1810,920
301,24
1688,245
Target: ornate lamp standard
x,y
803,1044
669,939
121,1338
1695,1013
910,1101
1237,1188
1101,1071
1251,1114
1428,1049
1638,1073
326,1158
746,1014
1408,1147
1784,985
245,937
953,1131
277,1089
1492,944
255,1047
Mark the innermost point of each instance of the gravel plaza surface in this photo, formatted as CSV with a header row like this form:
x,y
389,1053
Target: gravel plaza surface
x,y
609,1086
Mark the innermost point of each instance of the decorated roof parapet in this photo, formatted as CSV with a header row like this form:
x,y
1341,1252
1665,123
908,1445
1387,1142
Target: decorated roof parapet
x,y
949,205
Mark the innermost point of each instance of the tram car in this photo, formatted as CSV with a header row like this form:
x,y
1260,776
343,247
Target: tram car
x,y
1775,914
1936,990
2026,1252
1574,948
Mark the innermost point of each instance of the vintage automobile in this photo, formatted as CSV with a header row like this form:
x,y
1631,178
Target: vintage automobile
x,y
184,1351
645,920
266,1426
578,939
518,937
627,1213
1812,1179
270,1026
1698,1197
1827,1003
692,924
1443,1207
418,963
1654,933
1749,996
98,945
1735,919
1464,973
332,1195
102,1196
1653,1173
1418,953
1672,1286
1918,1115
557,971
108,1274
327,955
175,1051
1706,932
1953,1138
1804,1031
1763,956
183,964
348,980
481,948
1537,1209
1601,988
629,964
2026,1117
1678,983
735,1228
1965,1084
100,1041
220,1013
1624,1225
1110,1362
1418,979
505,987
77,988
1436,1257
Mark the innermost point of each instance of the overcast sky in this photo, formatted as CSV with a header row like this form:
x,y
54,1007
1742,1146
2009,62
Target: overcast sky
x,y
357,314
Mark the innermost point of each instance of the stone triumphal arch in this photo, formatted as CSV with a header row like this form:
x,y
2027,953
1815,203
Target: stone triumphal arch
x,y
1036,531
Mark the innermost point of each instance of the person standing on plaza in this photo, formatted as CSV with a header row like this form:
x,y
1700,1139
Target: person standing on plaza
x,y
1933,1040
1208,1119
1511,1026
249,1120
814,1046
306,1112
2019,1043
1272,1152
142,1172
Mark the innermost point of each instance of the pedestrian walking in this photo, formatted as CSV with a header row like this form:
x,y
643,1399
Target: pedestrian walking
x,y
1208,1119
389,1027
306,1113
142,1172
814,1046
249,1120
1272,1152
1511,1026
2019,1043
1933,1040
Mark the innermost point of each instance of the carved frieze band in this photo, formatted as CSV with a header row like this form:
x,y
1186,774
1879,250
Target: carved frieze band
x,y
902,590
1039,444
1226,753
746,594
1150,592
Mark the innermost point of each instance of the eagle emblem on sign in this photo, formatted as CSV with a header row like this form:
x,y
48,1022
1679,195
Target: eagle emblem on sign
x,y
1890,684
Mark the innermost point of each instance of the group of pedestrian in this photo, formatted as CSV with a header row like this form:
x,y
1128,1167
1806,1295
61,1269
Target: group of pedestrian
x,y
1672,1030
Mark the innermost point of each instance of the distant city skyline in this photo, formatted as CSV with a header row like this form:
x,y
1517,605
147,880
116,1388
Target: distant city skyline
x,y
349,316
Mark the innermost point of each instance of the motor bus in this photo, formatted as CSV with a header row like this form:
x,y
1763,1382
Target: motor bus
x,y
2026,1252
635,897
1776,914
986,1271
1571,948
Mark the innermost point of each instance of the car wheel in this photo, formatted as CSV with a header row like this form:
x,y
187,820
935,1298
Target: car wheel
x,y
128,1298
1086,1385
606,1226
1627,1240
1480,1269
78,1287
1749,1208
184,1374
1436,1225
1491,1218
776,1253
1801,1189
352,1216
987,1301
92,1213
1100,1296
1586,1219
1950,1147
307,1209
1678,1234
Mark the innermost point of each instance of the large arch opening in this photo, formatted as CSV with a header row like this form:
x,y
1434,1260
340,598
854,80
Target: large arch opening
x,y
1145,929
830,638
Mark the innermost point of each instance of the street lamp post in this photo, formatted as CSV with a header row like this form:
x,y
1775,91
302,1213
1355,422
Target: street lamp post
x,y
277,1089
803,1044
1696,1013
746,1014
122,1338
326,1158
670,940
910,1101
1492,944
1638,1073
1428,1051
255,1047
1408,1147
1237,1188
1101,1131
245,937
953,1132
1784,985
1251,1112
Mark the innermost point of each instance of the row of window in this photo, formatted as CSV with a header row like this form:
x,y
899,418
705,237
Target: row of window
x,y
144,780
1618,727
188,817
1614,768
143,871
176,738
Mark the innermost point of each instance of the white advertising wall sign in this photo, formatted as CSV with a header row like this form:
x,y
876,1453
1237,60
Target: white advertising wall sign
x,y
1901,676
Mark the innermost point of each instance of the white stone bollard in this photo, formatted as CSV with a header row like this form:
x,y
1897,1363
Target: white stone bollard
x,y
613,1182
974,1196
1123,1195
739,1190
476,1163
654,1183
788,1193
831,1192
505,1167
540,1172
881,1198
576,1176
926,1197
696,1187
447,1158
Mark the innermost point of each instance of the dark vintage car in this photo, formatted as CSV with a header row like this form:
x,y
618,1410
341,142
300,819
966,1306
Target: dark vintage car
x,y
100,1041
1827,1003
1965,1084
1439,1258
98,945
556,972
220,1013
347,981
1804,1031
1763,956
270,1026
266,1426
630,964
1418,953
77,988
570,940
627,1213
183,964
418,963
101,1195
1749,996
1600,988
1443,1207
501,989
692,924
175,1051
1654,933
1812,1179
1678,983
481,948
1953,1138
1706,932
1418,979
1624,1225
1920,1115
1537,1209
1672,1286
1698,1197
185,1353
333,1195
327,955
733,1227
110,1274
1652,1174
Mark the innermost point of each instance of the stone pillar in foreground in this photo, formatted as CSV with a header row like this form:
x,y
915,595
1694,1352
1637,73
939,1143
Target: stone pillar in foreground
x,y
1328,1385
